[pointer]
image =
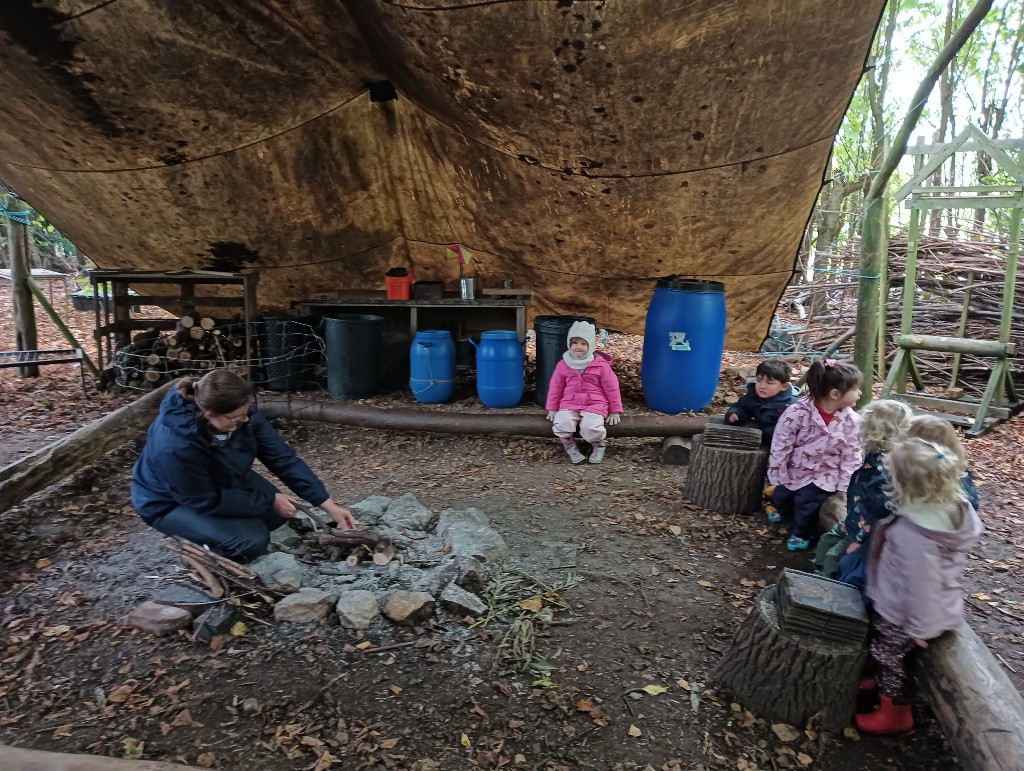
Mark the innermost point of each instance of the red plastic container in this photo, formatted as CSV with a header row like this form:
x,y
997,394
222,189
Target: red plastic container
x,y
399,286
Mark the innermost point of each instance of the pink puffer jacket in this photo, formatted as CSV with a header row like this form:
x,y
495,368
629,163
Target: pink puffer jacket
x,y
595,389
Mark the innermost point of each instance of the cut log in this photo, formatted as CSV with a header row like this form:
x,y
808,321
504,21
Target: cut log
x,y
978,707
187,322
349,538
153,375
788,678
207,323
90,443
675,451
197,333
726,480
508,424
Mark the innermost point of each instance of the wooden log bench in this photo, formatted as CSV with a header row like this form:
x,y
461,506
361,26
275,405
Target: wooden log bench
x,y
40,358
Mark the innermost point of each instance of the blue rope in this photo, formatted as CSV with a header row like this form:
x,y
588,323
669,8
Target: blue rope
x,y
17,216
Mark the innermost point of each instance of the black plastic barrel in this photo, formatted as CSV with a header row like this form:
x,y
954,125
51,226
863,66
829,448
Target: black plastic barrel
x,y
551,344
290,352
353,354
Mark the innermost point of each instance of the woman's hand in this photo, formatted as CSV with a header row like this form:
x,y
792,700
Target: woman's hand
x,y
339,514
284,506
853,547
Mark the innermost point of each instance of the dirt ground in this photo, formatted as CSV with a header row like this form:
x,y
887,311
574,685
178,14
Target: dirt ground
x,y
659,587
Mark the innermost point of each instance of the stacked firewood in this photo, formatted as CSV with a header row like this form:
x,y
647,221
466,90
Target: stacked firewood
x,y
196,345
946,270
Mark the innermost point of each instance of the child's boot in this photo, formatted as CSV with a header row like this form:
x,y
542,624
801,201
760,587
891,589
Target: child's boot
x,y
889,718
597,454
773,514
574,452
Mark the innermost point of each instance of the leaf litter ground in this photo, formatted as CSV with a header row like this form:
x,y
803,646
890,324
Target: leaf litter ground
x,y
619,599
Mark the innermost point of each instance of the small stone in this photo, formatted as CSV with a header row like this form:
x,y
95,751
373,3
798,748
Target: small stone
x,y
406,513
473,574
469,534
279,571
457,600
370,510
409,608
357,609
284,539
307,604
218,620
185,597
160,620
250,707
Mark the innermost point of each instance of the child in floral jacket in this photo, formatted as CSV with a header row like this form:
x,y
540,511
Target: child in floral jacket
x,y
816,448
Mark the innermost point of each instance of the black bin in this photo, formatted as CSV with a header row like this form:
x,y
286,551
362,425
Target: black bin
x,y
290,351
353,343
551,344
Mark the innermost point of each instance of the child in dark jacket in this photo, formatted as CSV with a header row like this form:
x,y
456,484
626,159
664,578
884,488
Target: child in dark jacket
x,y
765,400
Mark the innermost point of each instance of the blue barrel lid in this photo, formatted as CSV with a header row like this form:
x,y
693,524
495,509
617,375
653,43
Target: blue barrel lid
x,y
689,284
500,334
433,333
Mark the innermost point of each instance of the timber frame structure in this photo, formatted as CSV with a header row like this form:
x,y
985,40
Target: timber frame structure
x,y
1000,399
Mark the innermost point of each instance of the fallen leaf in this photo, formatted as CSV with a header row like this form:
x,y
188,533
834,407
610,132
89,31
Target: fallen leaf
x,y
683,684
520,758
364,645
120,695
465,742
133,748
56,631
206,760
388,744
705,583
534,604
804,758
785,732
634,731
42,563
675,529
61,732
654,690
239,628
396,689
851,733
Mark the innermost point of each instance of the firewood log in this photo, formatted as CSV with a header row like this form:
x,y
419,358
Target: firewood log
x,y
207,323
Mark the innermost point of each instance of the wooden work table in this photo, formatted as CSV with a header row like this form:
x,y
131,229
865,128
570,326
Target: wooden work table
x,y
451,312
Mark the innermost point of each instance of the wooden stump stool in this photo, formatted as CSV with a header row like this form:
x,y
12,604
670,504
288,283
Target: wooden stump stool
x,y
727,469
786,676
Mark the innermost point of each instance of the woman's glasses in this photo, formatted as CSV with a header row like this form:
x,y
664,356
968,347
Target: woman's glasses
x,y
244,418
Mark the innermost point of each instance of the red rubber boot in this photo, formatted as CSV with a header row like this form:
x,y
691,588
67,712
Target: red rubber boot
x,y
868,684
889,718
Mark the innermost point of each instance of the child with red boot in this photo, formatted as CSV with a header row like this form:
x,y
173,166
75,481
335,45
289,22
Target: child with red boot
x,y
914,569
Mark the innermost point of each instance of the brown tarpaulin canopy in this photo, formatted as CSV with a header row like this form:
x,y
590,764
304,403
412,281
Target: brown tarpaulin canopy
x,y
580,148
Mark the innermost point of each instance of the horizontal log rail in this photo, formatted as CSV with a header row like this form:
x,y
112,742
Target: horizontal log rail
x,y
493,424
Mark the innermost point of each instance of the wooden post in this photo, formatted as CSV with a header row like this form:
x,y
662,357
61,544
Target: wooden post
x,y
25,335
961,328
873,226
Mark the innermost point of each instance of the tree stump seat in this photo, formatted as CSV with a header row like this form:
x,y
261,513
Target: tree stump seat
x,y
727,468
788,676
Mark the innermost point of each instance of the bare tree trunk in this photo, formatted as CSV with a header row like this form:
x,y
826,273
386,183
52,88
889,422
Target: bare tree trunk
x,y
25,334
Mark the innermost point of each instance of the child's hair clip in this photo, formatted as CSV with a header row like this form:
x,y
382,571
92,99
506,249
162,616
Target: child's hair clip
x,y
830,363
942,454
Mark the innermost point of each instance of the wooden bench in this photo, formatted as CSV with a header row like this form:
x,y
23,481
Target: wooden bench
x,y
40,358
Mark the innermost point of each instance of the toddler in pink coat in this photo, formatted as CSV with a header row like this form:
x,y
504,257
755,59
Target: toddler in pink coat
x,y
584,394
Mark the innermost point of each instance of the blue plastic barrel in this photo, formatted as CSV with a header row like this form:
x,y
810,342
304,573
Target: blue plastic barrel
x,y
499,368
432,366
683,340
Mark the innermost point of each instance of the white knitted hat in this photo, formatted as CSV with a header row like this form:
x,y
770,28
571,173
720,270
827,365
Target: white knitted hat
x,y
584,330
